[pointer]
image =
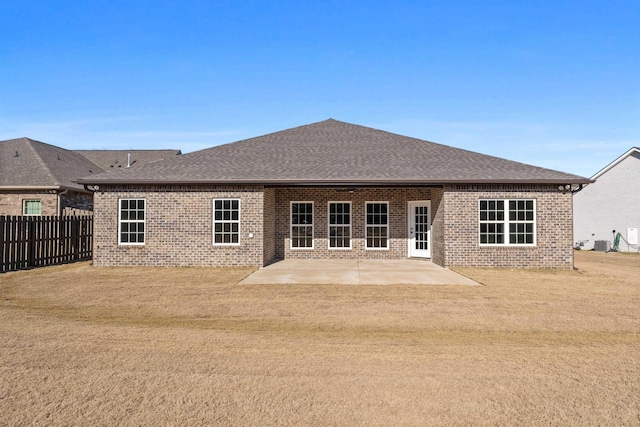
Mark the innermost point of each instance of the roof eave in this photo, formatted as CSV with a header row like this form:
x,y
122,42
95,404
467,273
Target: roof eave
x,y
41,188
335,182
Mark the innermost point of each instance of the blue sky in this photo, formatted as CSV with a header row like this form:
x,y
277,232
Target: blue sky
x,y
551,83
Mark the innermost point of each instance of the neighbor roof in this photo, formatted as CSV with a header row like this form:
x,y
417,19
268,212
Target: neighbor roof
x,y
334,153
29,164
110,160
631,151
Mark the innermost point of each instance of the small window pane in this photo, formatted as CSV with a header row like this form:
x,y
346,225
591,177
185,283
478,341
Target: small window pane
x,y
301,225
132,217
339,225
377,225
226,221
32,207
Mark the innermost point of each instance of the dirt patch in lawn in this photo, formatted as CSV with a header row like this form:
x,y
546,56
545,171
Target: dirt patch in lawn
x,y
138,346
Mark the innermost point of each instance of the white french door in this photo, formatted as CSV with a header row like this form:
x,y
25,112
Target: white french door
x,y
419,213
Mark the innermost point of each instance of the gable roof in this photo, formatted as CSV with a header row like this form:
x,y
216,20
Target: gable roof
x,y
613,164
111,160
29,164
334,153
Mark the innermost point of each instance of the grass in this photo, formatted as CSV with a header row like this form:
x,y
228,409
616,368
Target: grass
x,y
142,346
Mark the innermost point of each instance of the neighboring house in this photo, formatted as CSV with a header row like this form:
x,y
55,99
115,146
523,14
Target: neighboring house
x,y
110,160
611,203
38,179
334,190
41,179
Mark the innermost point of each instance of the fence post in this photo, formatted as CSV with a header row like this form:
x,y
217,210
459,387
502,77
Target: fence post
x,y
3,252
31,241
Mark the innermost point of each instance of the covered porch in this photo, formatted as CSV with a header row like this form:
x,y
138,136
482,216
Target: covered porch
x,y
356,223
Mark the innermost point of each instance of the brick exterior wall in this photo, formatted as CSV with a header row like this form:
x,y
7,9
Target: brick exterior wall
x,y
179,227
269,226
437,228
398,222
11,202
554,228
72,203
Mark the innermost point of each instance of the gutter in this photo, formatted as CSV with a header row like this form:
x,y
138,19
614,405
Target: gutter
x,y
30,187
39,188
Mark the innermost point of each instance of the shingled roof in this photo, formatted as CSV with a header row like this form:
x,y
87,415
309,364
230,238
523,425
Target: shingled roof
x,y
334,153
111,160
29,164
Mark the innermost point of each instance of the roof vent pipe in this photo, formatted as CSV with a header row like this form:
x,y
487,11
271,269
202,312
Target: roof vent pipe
x,y
128,159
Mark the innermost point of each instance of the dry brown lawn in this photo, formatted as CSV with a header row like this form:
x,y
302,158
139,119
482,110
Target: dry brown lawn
x,y
148,346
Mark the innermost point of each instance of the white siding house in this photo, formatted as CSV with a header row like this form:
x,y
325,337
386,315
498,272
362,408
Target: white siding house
x,y
611,203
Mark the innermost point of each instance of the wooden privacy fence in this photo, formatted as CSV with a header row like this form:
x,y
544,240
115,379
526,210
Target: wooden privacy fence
x,y
38,241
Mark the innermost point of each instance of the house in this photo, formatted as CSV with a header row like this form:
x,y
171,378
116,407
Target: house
x,y
333,190
40,179
611,205
110,160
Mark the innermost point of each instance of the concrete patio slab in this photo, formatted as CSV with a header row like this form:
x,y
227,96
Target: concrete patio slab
x,y
356,272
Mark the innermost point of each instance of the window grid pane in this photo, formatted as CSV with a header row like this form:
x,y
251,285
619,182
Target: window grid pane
x,y
421,220
226,221
32,207
132,221
377,226
339,225
518,221
301,225
521,230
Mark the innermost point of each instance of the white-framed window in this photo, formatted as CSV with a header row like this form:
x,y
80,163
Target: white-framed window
x,y
131,223
31,207
226,221
339,225
301,225
509,222
377,225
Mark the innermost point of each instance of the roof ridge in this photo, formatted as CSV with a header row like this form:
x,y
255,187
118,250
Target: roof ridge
x,y
131,149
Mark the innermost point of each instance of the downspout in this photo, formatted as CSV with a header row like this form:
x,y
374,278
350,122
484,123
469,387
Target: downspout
x,y
578,189
59,205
